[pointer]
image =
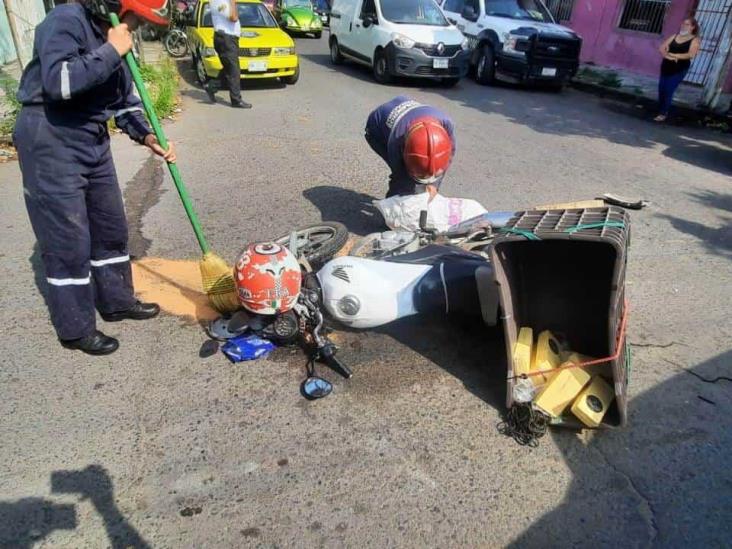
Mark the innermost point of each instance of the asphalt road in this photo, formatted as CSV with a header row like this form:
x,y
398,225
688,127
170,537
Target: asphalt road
x,y
158,446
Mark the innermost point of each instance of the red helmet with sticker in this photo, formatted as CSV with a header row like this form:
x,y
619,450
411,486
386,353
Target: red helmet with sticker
x,y
427,150
267,278
152,11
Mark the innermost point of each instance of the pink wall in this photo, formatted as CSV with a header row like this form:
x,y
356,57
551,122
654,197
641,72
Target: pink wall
x,y
596,21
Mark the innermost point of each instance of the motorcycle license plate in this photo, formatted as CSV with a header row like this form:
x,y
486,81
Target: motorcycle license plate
x,y
440,63
257,66
548,71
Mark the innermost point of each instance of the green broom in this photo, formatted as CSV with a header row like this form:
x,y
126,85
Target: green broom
x,y
216,275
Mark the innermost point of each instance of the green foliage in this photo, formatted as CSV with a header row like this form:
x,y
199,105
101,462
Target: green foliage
x,y
162,83
9,107
610,80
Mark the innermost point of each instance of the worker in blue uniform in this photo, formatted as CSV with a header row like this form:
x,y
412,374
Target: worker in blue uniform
x,y
74,84
416,141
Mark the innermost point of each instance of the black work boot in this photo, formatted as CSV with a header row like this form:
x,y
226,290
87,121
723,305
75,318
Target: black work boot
x,y
241,105
139,311
94,344
210,91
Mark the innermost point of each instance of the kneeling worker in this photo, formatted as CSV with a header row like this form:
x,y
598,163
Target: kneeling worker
x,y
74,84
416,141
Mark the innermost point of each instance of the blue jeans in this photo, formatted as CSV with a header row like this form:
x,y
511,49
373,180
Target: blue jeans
x,y
666,88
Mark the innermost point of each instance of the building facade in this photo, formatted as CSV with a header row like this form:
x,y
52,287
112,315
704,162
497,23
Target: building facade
x,y
627,33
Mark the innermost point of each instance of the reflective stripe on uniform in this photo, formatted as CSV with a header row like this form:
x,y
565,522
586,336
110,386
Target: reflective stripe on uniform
x,y
69,281
110,261
65,81
125,111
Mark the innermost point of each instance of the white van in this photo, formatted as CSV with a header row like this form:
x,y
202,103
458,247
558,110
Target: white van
x,y
398,37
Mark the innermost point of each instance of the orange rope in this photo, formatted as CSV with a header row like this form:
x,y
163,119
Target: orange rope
x,y
618,349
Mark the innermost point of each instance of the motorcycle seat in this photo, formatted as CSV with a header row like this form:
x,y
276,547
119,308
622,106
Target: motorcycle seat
x,y
435,254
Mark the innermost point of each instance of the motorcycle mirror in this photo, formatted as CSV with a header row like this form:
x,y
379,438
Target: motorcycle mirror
x,y
315,387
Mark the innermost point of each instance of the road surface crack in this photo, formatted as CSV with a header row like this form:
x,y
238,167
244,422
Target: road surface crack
x,y
646,508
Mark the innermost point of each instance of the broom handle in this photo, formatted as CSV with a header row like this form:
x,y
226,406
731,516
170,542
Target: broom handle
x,y
155,123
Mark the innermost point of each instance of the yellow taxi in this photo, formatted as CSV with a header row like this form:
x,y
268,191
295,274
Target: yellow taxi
x,y
265,50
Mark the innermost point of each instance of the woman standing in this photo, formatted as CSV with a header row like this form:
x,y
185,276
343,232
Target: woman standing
x,y
678,51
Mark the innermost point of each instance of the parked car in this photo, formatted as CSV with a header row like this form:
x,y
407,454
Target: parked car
x,y
265,51
322,10
298,17
398,38
516,41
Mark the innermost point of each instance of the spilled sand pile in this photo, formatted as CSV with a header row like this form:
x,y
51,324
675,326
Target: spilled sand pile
x,y
173,284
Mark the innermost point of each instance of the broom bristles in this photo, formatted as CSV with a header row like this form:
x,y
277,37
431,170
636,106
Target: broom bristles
x,y
218,283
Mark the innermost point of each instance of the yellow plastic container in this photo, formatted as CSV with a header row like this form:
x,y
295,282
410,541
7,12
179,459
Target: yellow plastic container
x,y
522,352
561,390
603,369
592,403
547,356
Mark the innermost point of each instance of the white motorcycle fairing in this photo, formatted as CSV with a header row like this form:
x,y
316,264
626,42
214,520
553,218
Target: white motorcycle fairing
x,y
364,293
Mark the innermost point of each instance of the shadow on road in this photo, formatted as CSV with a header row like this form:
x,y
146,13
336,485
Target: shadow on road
x,y
27,521
566,114
664,480
462,346
718,240
355,210
194,90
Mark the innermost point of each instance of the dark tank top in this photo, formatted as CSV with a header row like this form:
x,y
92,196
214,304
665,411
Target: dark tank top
x,y
668,67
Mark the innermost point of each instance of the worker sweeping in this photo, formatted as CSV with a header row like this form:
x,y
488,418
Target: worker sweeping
x,y
416,141
75,83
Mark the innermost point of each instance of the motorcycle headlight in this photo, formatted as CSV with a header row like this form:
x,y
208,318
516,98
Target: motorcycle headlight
x,y
283,51
208,52
349,305
402,41
465,44
515,44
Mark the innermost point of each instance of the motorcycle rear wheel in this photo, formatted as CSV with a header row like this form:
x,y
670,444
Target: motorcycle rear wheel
x,y
317,243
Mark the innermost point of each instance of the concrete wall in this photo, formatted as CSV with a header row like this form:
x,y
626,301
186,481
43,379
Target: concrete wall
x,y
28,14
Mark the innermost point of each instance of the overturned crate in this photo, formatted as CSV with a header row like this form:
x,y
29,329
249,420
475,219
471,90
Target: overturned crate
x,y
564,271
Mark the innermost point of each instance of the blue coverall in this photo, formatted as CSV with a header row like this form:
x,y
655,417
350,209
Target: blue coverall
x,y
75,83
386,130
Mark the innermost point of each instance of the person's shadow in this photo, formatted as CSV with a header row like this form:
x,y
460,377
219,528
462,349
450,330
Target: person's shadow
x,y
27,521
355,210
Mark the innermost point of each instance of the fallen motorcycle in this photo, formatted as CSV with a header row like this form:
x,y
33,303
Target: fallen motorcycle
x,y
393,275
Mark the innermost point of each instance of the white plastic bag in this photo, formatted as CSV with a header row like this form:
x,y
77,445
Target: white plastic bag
x,y
402,212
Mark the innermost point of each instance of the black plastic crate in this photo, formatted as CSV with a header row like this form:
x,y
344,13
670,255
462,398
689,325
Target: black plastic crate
x,y
564,271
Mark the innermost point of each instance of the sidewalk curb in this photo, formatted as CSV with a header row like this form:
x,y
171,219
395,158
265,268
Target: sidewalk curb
x,y
685,111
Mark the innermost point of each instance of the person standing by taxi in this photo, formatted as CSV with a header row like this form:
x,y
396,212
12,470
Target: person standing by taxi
x,y
227,30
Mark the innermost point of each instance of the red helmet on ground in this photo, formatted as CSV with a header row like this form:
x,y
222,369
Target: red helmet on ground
x,y
267,278
152,11
427,150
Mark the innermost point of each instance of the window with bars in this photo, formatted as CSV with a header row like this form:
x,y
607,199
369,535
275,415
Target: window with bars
x,y
561,10
644,15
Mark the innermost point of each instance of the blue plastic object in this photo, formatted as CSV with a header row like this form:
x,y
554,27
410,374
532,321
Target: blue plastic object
x,y
247,347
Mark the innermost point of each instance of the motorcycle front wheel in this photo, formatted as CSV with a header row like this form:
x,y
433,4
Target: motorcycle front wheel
x,y
317,243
